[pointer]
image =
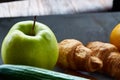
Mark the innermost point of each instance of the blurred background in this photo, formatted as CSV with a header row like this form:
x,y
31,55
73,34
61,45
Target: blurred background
x,y
13,8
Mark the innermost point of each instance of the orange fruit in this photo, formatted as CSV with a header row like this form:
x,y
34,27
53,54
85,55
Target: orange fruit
x,y
115,36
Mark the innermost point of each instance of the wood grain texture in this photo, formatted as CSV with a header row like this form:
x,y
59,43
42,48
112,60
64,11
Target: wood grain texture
x,y
48,7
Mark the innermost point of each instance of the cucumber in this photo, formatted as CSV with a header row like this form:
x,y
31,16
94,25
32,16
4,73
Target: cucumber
x,y
23,72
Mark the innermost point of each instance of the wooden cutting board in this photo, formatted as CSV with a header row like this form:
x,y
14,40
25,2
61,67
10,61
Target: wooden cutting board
x,y
84,27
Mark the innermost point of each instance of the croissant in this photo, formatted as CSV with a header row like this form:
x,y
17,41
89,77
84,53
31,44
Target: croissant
x,y
74,55
109,55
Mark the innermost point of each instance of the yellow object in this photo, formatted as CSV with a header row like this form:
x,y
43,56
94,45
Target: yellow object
x,y
115,36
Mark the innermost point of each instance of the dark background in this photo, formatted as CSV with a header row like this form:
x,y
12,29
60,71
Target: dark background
x,y
84,27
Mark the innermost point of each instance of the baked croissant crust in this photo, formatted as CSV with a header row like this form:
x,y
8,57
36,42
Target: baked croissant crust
x,y
74,55
109,55
95,56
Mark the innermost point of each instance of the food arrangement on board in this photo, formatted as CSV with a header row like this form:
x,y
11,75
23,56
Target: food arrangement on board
x,y
31,49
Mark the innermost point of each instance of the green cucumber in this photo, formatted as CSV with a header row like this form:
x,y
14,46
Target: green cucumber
x,y
23,72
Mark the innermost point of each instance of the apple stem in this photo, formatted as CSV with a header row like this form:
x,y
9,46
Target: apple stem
x,y
33,32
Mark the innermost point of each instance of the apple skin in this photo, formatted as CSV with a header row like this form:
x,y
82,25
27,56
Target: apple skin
x,y
20,47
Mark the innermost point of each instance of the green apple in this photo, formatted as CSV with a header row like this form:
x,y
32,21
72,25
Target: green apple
x,y
38,48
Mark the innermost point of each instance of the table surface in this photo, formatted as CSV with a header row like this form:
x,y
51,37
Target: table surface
x,y
98,28
51,7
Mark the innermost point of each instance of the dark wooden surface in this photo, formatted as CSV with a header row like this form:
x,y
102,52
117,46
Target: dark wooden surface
x,y
84,27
